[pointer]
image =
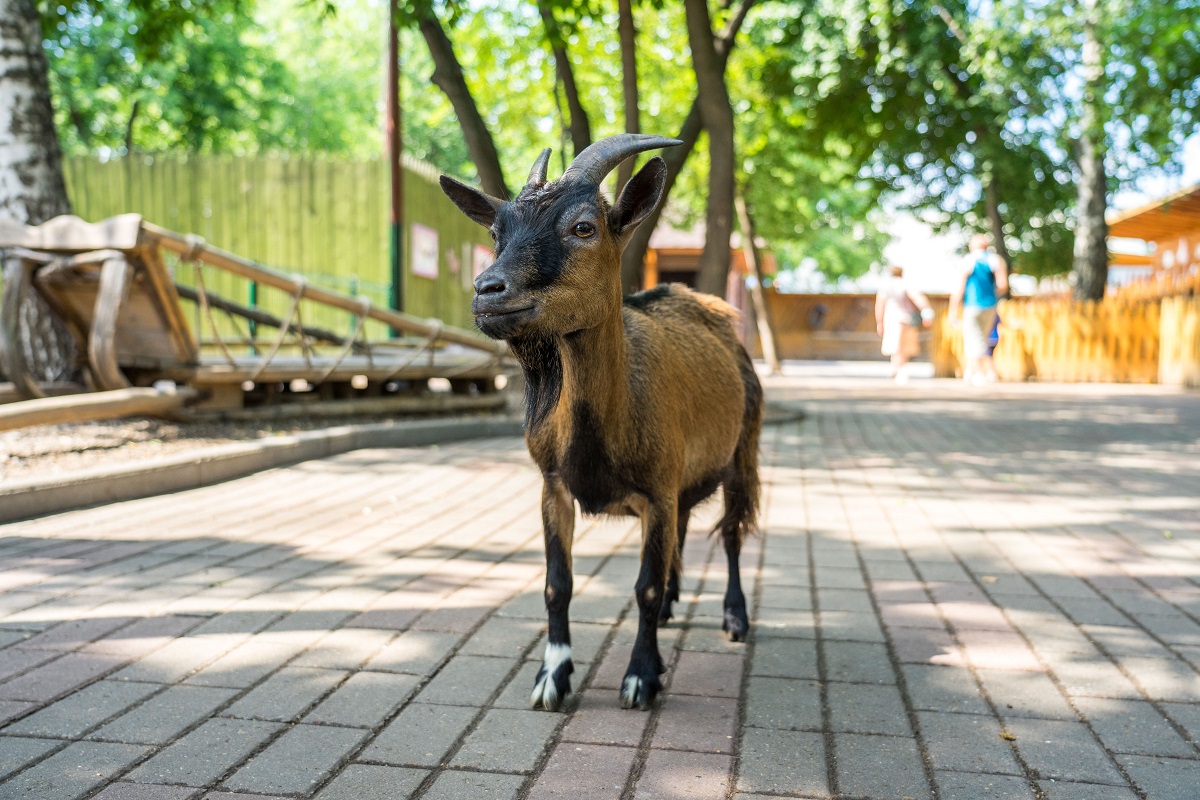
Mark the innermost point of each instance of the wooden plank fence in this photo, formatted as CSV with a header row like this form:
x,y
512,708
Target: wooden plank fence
x,y
1179,345
321,218
1063,340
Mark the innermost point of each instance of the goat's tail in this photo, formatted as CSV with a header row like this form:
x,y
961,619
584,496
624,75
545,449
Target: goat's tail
x,y
742,488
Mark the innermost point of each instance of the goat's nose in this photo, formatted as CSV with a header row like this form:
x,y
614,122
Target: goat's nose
x,y
489,284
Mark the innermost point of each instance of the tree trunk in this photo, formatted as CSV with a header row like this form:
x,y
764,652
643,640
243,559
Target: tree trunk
x,y
1091,229
996,221
581,129
448,76
31,178
629,84
762,312
717,114
32,189
635,252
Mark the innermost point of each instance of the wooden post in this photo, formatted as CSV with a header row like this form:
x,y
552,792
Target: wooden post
x,y
394,148
762,314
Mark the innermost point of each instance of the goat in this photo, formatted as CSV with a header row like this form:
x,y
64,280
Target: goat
x,y
637,406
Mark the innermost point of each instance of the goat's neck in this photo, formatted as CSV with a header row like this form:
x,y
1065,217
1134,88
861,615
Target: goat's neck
x,y
596,373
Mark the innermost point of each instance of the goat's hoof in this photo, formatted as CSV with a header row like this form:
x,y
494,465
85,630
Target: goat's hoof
x,y
736,624
553,683
639,691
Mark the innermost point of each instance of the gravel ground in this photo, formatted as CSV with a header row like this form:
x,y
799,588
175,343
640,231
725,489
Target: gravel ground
x,y
57,449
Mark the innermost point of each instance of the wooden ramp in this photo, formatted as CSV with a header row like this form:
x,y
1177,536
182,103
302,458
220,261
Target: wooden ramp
x,y
134,322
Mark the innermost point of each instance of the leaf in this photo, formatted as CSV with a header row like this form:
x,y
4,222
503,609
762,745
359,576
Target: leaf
x,y
1007,736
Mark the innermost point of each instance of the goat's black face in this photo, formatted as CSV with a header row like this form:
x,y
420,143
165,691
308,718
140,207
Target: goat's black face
x,y
558,252
552,246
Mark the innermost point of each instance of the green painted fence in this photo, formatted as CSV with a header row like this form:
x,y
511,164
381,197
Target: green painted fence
x,y
322,218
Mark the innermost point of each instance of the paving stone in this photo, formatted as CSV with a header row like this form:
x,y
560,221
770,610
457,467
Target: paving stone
x,y
782,762
372,782
1132,726
1024,694
784,658
974,786
1162,778
415,652
72,772
503,637
783,704
344,649
440,728
924,646
19,751
146,791
671,775
839,578
86,708
799,623
1187,716
1063,790
1062,751
55,678
163,717
206,753
285,695
455,785
858,708
701,724
507,741
933,688
14,660
597,719
880,766
245,665
966,743
75,633
850,626
858,662
584,770
467,680
364,700
707,674
296,761
793,597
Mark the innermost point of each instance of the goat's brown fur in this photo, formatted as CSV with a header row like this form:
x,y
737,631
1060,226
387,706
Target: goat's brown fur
x,y
643,405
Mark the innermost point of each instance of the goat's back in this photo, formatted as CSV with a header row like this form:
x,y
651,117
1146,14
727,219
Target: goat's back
x,y
686,364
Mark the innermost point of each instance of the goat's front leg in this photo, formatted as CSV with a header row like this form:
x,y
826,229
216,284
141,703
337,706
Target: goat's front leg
x,y
641,682
553,682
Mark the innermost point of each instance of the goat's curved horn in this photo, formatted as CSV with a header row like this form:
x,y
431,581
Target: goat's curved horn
x,y
602,157
538,173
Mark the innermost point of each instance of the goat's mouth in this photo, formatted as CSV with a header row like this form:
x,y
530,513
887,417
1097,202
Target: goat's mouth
x,y
504,323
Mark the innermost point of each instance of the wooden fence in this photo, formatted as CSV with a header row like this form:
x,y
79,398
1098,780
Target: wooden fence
x,y
1062,340
323,219
1179,344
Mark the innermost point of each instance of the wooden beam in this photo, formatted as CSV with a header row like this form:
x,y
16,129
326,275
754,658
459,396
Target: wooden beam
x,y
421,404
92,407
214,256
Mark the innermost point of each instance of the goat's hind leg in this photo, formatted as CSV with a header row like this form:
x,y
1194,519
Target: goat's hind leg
x,y
553,682
641,684
731,528
675,576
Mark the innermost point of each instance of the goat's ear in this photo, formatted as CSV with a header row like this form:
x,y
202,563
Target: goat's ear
x,y
639,197
472,202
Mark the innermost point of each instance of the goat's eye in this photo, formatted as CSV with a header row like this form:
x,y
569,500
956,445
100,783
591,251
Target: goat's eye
x,y
585,230
492,233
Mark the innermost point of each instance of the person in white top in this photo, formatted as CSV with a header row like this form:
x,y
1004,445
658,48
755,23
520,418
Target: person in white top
x,y
899,313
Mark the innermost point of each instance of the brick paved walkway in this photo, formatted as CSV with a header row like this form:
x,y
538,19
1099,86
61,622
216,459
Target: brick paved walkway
x,y
961,595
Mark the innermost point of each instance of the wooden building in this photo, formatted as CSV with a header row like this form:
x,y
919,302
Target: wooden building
x,y
1171,228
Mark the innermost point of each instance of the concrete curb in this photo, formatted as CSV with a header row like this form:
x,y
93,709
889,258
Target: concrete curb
x,y
34,497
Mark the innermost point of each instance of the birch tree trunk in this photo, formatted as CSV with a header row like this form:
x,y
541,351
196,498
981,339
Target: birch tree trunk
x,y
31,178
1091,229
32,189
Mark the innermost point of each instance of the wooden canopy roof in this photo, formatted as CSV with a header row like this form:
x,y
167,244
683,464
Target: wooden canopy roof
x,y
1165,219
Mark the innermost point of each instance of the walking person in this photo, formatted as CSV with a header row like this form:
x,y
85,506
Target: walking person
x,y
983,282
899,313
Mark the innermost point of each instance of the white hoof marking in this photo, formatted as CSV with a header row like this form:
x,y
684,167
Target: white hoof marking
x,y
545,692
629,691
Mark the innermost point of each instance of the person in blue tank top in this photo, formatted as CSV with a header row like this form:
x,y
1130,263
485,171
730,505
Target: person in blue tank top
x,y
983,282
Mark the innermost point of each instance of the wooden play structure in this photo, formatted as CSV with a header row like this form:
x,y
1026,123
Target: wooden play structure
x,y
140,308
